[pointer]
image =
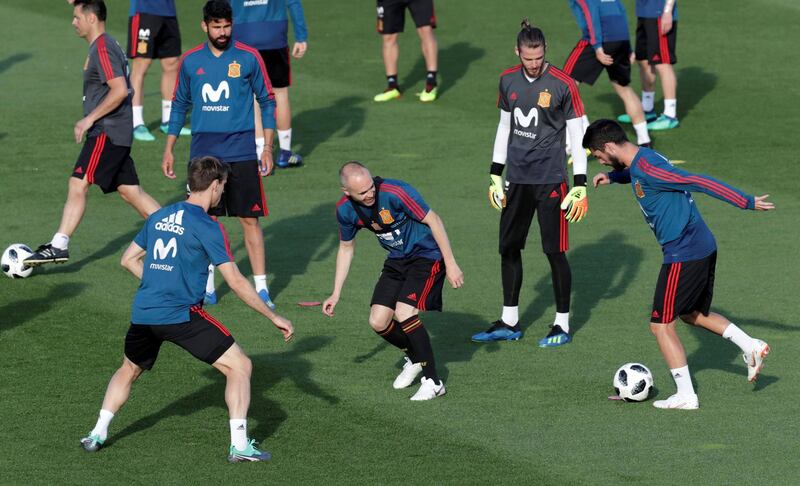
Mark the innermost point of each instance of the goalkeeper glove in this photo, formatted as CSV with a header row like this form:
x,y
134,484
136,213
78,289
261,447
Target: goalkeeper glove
x,y
497,196
576,204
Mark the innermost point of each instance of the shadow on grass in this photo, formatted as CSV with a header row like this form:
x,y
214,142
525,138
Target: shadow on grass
x,y
21,311
265,415
344,118
17,58
454,61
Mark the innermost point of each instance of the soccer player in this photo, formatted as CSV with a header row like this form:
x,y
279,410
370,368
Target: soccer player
x,y
547,109
264,25
170,256
105,159
605,44
412,276
656,36
391,21
218,80
686,282
153,33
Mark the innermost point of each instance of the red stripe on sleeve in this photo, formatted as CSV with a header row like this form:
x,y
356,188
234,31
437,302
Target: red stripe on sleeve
x,y
180,65
577,104
261,65
406,199
227,241
102,54
511,70
588,15
712,186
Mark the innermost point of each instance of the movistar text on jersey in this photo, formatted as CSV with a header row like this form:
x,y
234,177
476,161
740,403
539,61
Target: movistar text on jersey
x,y
161,266
520,133
216,108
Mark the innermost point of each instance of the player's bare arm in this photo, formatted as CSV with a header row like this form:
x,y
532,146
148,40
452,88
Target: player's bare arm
x,y
343,259
118,91
168,160
454,274
666,17
133,260
265,164
247,294
601,179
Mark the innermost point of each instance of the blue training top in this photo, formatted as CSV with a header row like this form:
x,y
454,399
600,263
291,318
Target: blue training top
x,y
181,240
652,9
220,91
264,24
662,192
395,218
163,8
601,20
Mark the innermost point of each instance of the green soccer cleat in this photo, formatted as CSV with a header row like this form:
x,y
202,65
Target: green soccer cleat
x,y
185,131
388,95
428,96
249,454
92,443
663,122
142,134
648,117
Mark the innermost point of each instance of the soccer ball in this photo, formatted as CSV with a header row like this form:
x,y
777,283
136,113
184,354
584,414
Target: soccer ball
x,y
633,382
12,261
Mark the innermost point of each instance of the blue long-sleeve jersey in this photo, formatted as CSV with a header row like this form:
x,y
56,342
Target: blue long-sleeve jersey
x,y
264,24
663,193
220,91
601,20
163,8
652,9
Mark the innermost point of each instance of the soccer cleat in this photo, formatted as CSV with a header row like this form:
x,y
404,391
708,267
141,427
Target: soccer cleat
x,y
428,96
47,253
142,134
388,95
588,154
265,297
185,131
755,359
249,454
428,390
556,337
92,443
210,298
648,117
408,375
663,122
678,402
500,331
288,159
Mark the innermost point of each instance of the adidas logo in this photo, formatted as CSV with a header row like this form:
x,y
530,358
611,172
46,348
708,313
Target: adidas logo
x,y
656,58
79,170
255,207
172,223
554,194
655,314
412,296
200,71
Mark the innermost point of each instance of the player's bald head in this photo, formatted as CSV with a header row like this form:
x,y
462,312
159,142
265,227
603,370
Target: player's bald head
x,y
353,171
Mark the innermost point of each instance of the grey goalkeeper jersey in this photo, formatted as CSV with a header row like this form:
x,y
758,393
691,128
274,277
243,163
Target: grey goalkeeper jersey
x,y
539,113
106,60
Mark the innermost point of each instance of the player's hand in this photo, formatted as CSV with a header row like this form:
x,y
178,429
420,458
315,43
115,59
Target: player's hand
x,y
167,164
454,275
761,203
265,164
284,325
497,195
602,57
666,22
299,49
83,126
329,305
576,204
601,179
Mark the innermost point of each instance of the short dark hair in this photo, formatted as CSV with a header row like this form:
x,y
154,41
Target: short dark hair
x,y
530,36
601,132
203,171
97,7
217,10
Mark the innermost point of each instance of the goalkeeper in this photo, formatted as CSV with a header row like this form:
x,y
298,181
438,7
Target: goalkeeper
x,y
539,107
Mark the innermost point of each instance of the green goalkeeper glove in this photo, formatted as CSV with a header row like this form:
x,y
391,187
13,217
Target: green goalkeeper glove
x,y
576,204
497,196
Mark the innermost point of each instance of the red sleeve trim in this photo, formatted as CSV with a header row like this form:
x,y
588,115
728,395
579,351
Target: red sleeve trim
x,y
511,70
102,54
257,55
577,104
588,15
406,199
227,241
180,65
708,184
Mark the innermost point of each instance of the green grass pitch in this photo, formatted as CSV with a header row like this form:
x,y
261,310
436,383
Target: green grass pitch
x,y
323,404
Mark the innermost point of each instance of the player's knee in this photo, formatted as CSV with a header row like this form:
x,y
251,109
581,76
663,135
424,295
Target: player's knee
x,y
402,313
389,39
131,370
377,323
77,187
245,366
690,318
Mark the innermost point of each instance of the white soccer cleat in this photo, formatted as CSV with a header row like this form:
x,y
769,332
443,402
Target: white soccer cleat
x,y
408,375
679,402
428,390
755,359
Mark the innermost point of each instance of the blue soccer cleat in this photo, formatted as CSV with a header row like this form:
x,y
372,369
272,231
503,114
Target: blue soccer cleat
x,y
500,331
556,337
185,131
92,443
249,454
287,159
210,298
265,297
663,122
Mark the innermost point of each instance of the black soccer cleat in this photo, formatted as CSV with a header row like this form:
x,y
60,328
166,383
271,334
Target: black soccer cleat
x,y
47,253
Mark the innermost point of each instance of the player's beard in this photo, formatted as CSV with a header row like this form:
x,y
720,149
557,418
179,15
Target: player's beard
x,y
222,42
615,163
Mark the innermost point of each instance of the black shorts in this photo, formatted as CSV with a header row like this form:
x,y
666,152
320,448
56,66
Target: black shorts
x,y
583,66
414,281
392,14
244,192
279,66
652,45
683,288
153,36
105,164
203,336
522,201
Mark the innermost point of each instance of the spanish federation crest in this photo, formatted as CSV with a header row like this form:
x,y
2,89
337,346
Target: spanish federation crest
x,y
639,191
141,47
386,216
234,70
544,99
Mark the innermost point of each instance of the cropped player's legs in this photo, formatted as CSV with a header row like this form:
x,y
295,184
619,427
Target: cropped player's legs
x,y
669,87
633,107
390,50
169,74
430,51
74,207
139,67
420,344
254,242
647,75
237,368
139,200
675,356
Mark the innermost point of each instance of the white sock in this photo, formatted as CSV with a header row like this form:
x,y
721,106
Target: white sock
x,y
239,433
101,428
738,337
671,108
259,146
683,380
641,133
510,315
562,319
166,106
138,116
60,241
285,139
210,281
648,100
260,282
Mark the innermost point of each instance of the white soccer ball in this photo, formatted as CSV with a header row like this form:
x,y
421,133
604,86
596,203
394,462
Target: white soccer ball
x,y
12,261
633,382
